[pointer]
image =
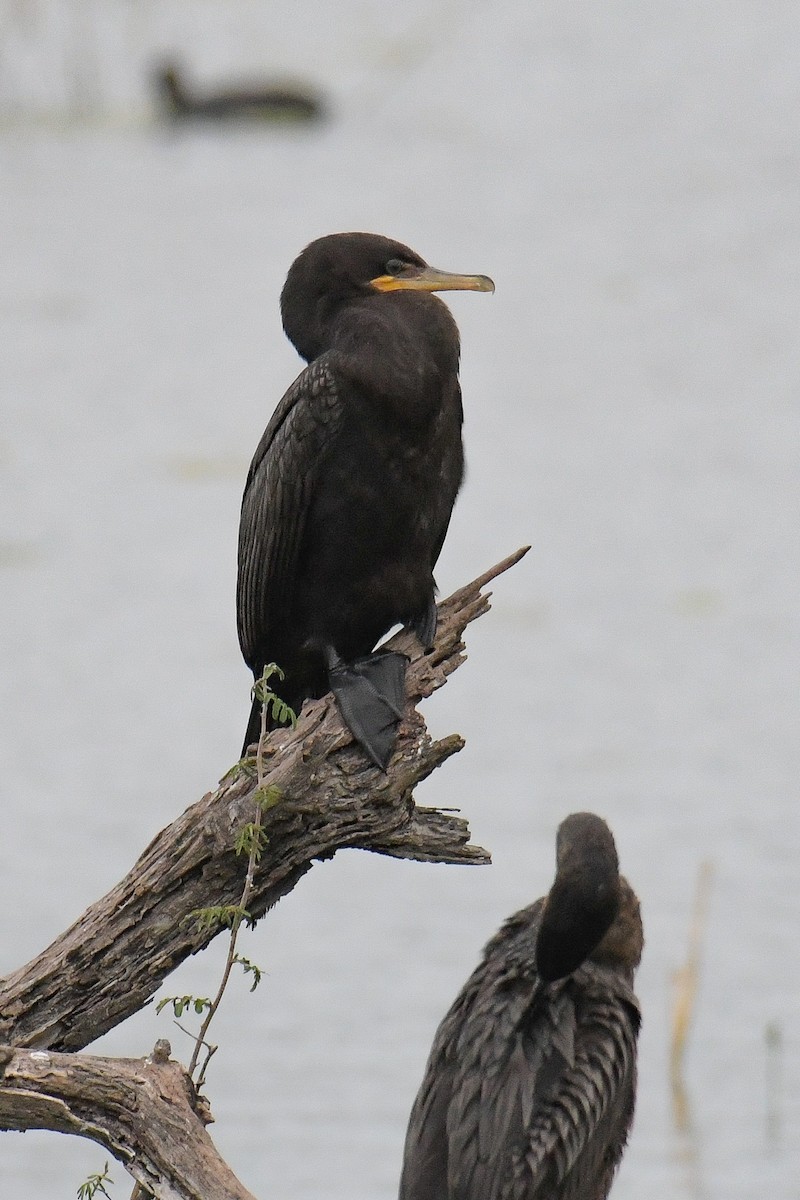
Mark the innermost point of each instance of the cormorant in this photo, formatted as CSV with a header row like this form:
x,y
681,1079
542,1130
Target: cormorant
x,y
529,1089
266,102
350,492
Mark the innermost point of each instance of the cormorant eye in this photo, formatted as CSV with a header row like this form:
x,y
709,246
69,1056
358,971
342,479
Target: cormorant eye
x,y
395,266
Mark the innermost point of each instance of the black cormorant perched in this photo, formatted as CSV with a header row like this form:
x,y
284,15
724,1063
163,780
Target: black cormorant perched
x,y
350,492
529,1089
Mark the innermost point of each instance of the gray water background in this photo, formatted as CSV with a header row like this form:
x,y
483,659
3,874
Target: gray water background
x,y
630,176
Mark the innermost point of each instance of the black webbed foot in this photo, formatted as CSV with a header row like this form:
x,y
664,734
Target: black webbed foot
x,y
371,693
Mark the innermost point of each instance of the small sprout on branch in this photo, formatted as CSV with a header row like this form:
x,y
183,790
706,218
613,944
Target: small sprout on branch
x,y
281,711
245,767
95,1185
230,916
267,797
251,840
263,693
249,968
181,1003
261,683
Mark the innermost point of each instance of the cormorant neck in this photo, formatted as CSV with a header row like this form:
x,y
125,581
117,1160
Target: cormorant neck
x,y
584,900
307,323
403,347
622,944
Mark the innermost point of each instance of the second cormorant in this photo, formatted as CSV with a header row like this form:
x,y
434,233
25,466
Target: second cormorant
x,y
350,492
266,102
529,1089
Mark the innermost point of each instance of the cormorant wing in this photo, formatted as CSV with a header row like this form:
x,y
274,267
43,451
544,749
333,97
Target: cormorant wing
x,y
574,1132
496,1085
275,505
459,1110
425,1159
452,471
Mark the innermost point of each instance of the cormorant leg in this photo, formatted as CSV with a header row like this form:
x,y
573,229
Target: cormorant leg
x,y
424,625
371,693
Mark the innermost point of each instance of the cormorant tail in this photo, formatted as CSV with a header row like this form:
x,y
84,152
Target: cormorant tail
x,y
253,727
371,694
424,625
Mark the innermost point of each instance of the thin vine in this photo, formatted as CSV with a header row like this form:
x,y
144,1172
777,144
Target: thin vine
x,y
251,840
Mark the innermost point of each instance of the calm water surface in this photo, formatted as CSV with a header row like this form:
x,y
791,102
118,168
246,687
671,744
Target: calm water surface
x,y
631,180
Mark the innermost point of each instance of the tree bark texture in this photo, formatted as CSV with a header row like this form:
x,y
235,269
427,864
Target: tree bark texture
x,y
142,1110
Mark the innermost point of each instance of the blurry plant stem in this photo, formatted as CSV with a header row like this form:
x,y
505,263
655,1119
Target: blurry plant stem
x,y
685,982
773,1038
685,989
83,70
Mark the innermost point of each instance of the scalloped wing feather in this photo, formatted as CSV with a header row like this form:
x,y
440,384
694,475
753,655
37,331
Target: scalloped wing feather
x,y
519,1047
586,1119
276,499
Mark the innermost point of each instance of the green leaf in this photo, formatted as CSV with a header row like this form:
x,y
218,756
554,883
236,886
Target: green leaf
x,y
245,768
249,968
251,839
94,1184
267,797
224,915
180,1004
261,689
265,696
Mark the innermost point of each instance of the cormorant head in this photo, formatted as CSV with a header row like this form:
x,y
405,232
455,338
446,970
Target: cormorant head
x,y
335,270
584,899
169,85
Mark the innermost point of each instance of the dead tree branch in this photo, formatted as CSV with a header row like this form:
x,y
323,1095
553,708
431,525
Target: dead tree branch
x,y
143,1111
146,1112
112,960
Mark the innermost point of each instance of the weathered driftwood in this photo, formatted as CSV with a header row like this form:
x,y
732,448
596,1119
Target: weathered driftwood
x,y
113,959
142,1110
